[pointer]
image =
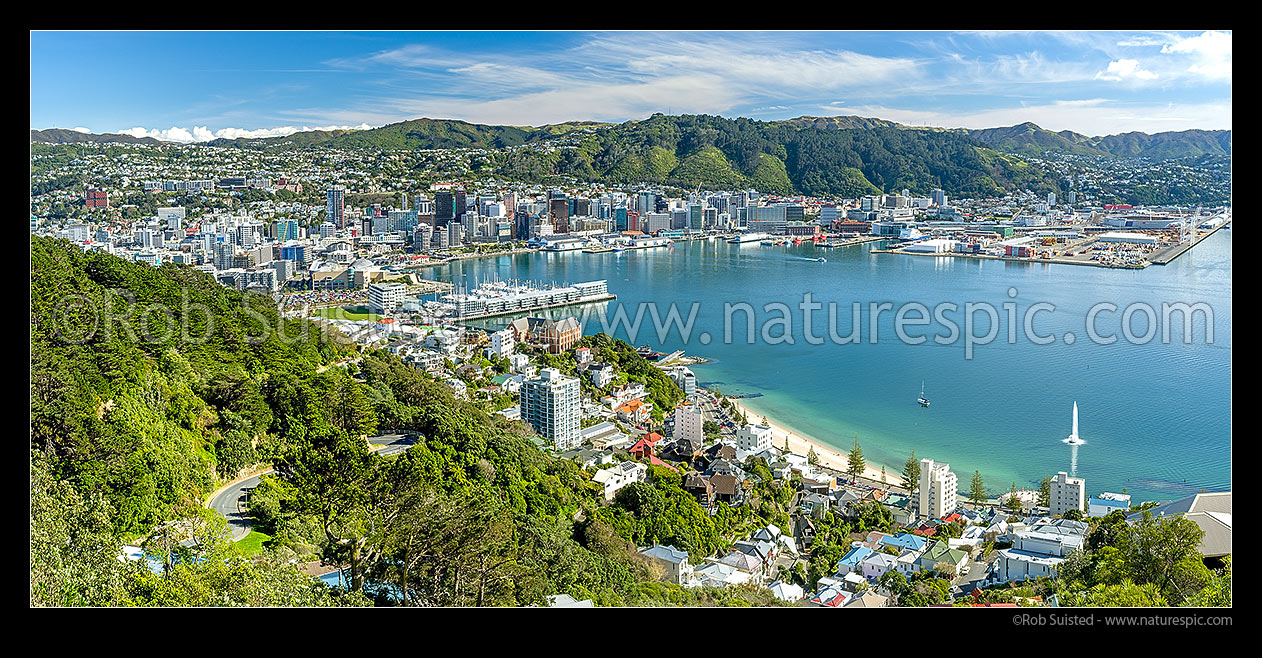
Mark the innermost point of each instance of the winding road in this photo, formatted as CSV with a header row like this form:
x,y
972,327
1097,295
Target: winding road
x,y
230,501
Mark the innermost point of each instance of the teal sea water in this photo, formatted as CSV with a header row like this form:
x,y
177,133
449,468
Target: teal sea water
x,y
1156,417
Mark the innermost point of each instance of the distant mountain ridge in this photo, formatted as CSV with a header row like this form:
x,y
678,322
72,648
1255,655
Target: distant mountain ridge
x,y
66,136
418,133
425,133
1029,139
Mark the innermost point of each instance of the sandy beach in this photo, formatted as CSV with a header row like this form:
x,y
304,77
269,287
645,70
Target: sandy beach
x,y
828,456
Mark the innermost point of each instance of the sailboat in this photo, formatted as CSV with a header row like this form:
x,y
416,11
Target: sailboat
x,y
1073,439
924,401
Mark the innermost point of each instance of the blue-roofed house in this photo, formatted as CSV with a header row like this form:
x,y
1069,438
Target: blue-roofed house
x,y
852,560
905,540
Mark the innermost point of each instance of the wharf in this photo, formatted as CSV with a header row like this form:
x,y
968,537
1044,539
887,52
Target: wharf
x,y
1171,253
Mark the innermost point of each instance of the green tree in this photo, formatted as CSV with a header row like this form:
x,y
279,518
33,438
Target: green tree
x,y
74,554
1045,491
911,473
1013,503
855,461
334,475
977,491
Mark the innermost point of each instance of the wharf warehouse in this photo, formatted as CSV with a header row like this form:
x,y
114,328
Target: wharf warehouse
x,y
1129,238
934,246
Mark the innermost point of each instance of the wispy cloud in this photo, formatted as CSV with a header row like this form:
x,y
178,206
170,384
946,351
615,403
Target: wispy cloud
x,y
1094,116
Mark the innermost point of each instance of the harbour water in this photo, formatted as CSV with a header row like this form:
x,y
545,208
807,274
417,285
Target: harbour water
x,y
1155,417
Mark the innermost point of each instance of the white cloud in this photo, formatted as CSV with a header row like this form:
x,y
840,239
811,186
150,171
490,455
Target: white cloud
x,y
1124,70
81,129
1210,51
610,78
204,134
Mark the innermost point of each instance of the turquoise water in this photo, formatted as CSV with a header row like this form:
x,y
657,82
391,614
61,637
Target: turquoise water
x,y
1156,417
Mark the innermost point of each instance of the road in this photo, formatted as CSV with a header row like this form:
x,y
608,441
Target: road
x,y
230,501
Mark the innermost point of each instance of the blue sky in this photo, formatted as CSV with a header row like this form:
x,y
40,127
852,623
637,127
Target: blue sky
x,y
197,85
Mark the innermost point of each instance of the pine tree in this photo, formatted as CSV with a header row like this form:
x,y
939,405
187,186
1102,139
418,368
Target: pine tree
x,y
1045,491
1013,504
856,462
911,473
812,457
977,492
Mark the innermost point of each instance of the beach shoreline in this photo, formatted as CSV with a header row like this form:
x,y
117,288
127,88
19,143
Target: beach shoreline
x,y
801,443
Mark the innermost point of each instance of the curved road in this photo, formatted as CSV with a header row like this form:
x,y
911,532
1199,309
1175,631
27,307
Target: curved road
x,y
229,502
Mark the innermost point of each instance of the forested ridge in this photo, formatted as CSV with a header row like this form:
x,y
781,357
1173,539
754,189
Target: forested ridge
x,y
814,158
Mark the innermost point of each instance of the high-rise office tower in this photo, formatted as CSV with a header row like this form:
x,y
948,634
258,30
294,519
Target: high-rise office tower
x,y
335,206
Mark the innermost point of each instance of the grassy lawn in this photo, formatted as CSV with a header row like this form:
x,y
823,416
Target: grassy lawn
x,y
253,543
346,313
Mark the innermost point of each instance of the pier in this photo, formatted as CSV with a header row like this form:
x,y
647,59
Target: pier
x,y
1171,253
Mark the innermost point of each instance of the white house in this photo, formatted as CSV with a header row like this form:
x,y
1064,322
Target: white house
x,y
875,565
673,560
620,476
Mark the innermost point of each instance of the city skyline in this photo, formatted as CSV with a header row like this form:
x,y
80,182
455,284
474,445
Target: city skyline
x,y
204,85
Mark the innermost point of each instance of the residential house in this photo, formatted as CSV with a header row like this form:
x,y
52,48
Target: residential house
x,y
700,488
814,504
727,489
646,445
787,592
674,562
604,435
940,551
875,565
852,561
619,476
717,574
600,374
867,599
831,595
635,411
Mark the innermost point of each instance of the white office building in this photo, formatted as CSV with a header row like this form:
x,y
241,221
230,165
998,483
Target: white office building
x,y
384,298
1067,493
689,421
937,489
550,404
754,438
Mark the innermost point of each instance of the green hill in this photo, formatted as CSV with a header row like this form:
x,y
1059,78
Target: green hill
x,y
824,156
1029,139
64,136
